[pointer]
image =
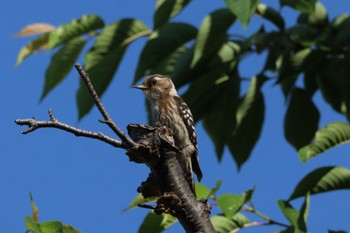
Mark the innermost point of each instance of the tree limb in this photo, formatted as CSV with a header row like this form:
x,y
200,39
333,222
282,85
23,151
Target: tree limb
x,y
54,123
176,197
107,118
154,147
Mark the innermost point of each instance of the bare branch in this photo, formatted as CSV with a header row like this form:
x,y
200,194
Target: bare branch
x,y
54,123
107,118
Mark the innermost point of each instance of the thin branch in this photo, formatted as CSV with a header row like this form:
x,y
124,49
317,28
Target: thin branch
x,y
263,216
54,123
107,119
254,224
146,206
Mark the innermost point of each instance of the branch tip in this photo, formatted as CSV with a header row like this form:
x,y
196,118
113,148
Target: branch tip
x,y
146,206
52,117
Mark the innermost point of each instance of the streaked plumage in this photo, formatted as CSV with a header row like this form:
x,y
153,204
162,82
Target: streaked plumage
x,y
170,110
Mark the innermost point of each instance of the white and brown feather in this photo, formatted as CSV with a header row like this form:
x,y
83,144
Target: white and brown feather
x,y
170,110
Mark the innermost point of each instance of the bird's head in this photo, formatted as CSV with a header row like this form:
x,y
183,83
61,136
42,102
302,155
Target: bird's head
x,y
157,86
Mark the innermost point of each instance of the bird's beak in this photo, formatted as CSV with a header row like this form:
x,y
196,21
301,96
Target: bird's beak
x,y
142,87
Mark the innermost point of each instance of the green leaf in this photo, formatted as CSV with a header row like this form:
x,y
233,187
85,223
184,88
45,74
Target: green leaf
x,y
31,225
332,135
208,80
224,61
222,224
339,20
243,9
214,92
304,212
304,6
301,119
61,63
247,195
307,59
183,73
304,34
161,44
219,120
156,223
202,191
250,118
321,180
102,60
270,62
139,200
199,96
287,74
167,66
296,218
166,9
70,229
289,229
214,190
271,15
293,64
342,34
334,82
230,204
318,17
289,212
76,27
52,227
38,44
212,34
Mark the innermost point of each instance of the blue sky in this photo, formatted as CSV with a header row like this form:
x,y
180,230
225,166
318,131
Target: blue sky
x,y
86,183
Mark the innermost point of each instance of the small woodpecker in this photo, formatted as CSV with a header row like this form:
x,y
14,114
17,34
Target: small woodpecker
x,y
170,110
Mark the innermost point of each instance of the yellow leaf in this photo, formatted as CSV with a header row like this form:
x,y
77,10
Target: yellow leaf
x,y
35,211
35,28
40,43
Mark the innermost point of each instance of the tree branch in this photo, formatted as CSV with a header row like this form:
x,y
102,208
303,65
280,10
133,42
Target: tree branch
x,y
154,147
54,123
176,197
268,220
107,118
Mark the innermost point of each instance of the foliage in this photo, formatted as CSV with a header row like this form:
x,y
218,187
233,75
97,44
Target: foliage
x,y
32,223
314,50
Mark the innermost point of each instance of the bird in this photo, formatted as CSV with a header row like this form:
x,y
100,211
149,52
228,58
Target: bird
x,y
170,110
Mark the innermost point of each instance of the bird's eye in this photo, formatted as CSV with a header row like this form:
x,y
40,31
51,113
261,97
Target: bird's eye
x,y
154,81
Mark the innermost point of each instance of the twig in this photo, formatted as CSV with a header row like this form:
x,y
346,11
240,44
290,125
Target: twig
x,y
263,216
107,119
54,123
146,206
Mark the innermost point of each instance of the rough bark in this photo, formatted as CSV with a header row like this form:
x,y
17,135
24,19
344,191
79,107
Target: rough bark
x,y
167,180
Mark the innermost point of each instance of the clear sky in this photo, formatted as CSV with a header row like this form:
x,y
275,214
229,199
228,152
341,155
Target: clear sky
x,y
86,183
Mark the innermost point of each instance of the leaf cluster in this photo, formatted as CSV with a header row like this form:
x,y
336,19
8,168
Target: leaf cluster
x,y
235,208
315,51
